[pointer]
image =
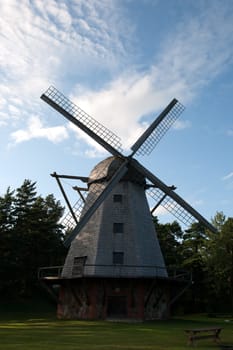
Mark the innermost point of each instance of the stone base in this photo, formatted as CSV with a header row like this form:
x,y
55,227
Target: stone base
x,y
108,298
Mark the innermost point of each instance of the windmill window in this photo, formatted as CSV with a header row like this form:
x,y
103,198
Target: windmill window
x,y
78,265
117,198
118,227
118,258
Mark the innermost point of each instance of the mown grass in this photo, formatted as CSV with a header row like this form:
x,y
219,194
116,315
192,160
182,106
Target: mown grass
x,y
41,330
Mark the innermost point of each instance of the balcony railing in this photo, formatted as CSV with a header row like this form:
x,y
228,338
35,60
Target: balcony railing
x,y
117,271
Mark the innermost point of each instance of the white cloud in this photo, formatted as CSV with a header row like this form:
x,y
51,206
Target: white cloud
x,y
35,129
200,48
121,104
182,124
42,41
95,149
53,40
2,102
229,176
13,110
160,211
230,132
193,55
3,119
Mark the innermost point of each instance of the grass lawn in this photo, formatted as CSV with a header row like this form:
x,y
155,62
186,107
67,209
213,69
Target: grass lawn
x,y
41,330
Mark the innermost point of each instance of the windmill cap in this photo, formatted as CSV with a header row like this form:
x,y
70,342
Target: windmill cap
x,y
104,171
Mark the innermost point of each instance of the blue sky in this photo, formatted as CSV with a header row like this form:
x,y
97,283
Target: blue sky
x,y
122,62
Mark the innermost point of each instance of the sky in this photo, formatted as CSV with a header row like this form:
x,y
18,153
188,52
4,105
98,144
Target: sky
x,y
122,61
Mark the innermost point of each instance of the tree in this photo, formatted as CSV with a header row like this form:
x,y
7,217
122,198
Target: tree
x,y
208,255
6,213
219,265
218,220
170,237
31,235
193,252
7,221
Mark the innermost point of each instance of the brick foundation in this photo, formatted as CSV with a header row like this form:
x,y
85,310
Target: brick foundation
x,y
101,298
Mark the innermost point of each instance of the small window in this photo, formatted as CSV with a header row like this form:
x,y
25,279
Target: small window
x,y
117,198
78,266
118,227
118,258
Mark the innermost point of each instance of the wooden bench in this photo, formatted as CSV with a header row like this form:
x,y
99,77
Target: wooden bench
x,y
197,333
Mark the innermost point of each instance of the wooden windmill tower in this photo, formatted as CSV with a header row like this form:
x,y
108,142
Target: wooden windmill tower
x,y
114,267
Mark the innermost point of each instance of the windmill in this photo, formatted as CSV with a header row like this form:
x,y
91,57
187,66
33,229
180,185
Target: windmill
x,y
114,266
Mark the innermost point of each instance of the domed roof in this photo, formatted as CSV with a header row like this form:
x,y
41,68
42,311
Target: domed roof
x,y
104,171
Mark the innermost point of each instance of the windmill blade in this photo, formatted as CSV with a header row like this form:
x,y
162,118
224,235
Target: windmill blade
x,y
149,139
183,208
120,172
77,116
68,220
170,205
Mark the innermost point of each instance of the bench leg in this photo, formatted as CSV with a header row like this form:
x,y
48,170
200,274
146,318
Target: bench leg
x,y
217,336
191,339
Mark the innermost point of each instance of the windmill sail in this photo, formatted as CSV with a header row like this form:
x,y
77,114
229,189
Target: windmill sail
x,y
85,122
170,205
179,204
149,139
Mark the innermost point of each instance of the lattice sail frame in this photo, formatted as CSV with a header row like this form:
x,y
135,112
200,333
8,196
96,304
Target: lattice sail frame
x,y
171,206
68,221
57,97
161,129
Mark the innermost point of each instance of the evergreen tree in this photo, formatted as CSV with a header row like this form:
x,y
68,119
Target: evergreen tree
x,y
32,237
6,212
208,255
170,238
219,266
218,220
193,252
7,221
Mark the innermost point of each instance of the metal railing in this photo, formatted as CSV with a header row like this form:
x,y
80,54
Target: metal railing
x,y
117,271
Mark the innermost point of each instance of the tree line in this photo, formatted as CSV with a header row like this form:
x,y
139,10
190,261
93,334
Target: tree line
x,y
31,236
208,256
